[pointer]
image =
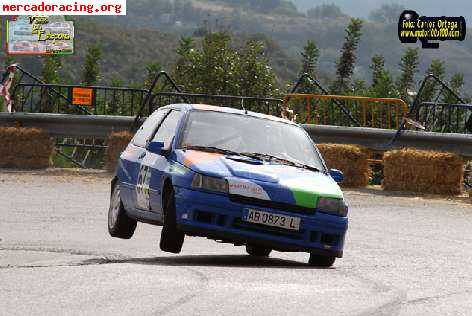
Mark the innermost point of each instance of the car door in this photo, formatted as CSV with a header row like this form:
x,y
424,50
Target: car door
x,y
153,166
130,160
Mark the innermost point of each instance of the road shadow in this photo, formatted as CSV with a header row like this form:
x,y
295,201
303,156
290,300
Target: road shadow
x,y
228,261
377,190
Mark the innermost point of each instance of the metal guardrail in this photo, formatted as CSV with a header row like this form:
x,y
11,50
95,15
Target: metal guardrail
x,y
67,125
63,125
375,138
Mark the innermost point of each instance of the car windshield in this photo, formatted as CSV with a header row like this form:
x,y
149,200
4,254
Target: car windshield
x,y
260,138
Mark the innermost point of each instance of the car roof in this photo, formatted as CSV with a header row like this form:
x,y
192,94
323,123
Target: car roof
x,y
222,109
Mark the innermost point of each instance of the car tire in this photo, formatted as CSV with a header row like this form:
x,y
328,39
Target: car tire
x,y
256,251
321,261
119,224
172,238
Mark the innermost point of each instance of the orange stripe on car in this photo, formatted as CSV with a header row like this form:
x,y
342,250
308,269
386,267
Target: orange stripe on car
x,y
193,157
206,107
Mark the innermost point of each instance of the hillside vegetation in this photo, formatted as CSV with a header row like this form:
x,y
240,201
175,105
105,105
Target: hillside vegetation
x,y
151,31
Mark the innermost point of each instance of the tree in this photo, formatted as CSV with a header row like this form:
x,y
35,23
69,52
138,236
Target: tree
x,y
384,86
408,68
377,67
219,68
387,13
118,105
216,65
151,72
51,66
456,83
459,114
359,87
209,69
186,44
117,82
437,68
276,6
92,65
325,11
255,76
382,82
184,51
346,63
430,89
50,74
310,56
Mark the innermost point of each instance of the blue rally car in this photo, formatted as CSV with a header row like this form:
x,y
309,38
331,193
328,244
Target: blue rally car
x,y
232,176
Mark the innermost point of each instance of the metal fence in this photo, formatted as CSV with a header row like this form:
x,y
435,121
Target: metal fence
x,y
55,98
306,84
445,117
32,95
156,99
317,109
436,116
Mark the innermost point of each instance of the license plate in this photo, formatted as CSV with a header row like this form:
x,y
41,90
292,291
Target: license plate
x,y
271,219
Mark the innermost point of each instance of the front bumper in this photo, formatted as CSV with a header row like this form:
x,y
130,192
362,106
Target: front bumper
x,y
216,217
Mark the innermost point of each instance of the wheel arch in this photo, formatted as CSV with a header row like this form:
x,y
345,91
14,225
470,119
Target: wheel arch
x,y
113,183
167,187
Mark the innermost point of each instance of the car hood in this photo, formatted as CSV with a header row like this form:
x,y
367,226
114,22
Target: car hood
x,y
264,181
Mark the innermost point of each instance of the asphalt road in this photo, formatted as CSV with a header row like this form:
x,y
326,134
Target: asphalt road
x,y
404,256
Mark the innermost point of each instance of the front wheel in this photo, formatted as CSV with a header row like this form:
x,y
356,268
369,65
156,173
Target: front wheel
x,y
321,261
119,224
172,238
258,251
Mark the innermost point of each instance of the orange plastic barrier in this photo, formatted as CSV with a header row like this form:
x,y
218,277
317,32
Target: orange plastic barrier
x,y
369,112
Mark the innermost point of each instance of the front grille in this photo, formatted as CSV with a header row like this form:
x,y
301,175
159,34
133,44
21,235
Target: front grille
x,y
275,231
271,204
209,218
203,217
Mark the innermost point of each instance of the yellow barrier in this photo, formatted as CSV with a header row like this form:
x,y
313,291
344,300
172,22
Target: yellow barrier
x,y
368,112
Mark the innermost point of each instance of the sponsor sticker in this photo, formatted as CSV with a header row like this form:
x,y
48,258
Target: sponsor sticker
x,y
247,188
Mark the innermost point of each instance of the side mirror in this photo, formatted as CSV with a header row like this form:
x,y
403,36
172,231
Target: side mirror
x,y
337,175
156,147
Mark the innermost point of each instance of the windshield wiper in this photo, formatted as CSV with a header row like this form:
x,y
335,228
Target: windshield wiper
x,y
258,156
297,164
305,166
212,149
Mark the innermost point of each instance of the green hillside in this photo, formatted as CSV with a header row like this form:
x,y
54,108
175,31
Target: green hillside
x,y
151,31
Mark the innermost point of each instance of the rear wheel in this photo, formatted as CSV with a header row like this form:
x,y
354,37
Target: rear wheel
x,y
172,238
119,224
256,251
321,261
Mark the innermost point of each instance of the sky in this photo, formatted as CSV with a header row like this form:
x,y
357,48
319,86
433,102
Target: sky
x,y
361,8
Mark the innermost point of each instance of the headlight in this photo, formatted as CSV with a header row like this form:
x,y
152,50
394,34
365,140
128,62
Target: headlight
x,y
210,183
332,206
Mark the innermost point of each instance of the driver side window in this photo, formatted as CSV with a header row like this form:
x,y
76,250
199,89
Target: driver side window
x,y
166,131
149,126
